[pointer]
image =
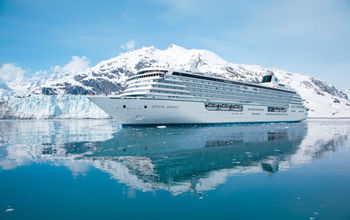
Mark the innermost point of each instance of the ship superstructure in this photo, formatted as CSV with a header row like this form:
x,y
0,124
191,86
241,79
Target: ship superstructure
x,y
163,96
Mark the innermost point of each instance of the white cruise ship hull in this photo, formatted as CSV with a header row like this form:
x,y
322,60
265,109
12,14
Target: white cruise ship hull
x,y
148,111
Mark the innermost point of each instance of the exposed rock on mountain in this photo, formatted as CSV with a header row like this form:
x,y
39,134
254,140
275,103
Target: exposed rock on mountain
x,y
108,77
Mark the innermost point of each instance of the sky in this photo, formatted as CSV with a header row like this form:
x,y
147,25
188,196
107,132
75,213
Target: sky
x,y
311,37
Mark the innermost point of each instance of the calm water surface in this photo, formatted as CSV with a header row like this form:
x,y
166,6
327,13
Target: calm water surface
x,y
93,169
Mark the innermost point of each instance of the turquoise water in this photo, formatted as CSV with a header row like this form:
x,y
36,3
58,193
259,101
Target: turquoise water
x,y
93,169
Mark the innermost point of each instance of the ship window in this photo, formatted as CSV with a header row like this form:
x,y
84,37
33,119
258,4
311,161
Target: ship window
x,y
267,79
124,106
145,106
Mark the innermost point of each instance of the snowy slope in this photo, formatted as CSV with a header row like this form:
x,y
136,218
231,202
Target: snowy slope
x,y
108,77
347,92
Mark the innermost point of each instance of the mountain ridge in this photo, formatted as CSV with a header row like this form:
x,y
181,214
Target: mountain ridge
x,y
108,77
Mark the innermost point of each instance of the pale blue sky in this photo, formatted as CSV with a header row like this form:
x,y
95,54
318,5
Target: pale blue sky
x,y
305,36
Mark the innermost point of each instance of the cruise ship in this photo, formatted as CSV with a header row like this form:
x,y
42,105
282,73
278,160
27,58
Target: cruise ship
x,y
160,96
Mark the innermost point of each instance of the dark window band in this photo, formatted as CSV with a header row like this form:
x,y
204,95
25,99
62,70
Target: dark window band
x,y
227,81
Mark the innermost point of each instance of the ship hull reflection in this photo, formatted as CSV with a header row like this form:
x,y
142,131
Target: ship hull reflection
x,y
178,154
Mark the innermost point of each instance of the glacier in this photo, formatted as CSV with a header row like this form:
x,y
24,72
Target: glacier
x,y
63,95
46,107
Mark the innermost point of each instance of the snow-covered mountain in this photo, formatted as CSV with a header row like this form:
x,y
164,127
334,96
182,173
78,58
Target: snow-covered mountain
x,y
108,77
347,92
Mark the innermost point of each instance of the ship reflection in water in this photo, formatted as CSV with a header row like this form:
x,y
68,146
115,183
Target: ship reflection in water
x,y
196,158
177,159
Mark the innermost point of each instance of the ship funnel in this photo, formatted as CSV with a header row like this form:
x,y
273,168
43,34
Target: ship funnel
x,y
270,78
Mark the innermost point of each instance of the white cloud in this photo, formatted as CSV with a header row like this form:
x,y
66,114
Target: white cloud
x,y
129,45
10,72
76,65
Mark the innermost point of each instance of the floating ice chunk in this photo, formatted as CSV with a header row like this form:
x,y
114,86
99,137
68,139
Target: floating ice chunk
x,y
9,210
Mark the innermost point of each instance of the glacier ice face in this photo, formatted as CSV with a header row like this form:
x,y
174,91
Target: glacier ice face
x,y
108,78
43,107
